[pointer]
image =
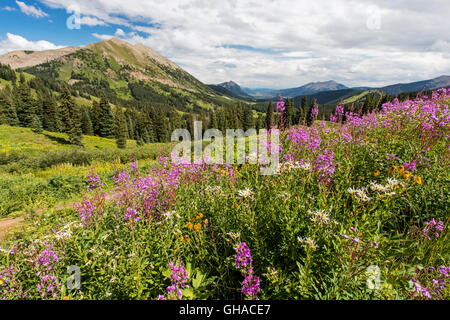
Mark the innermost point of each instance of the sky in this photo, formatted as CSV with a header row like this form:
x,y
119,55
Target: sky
x,y
256,43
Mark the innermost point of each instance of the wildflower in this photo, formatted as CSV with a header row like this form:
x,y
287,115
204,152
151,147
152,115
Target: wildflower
x,y
243,258
189,225
307,243
178,279
433,227
250,285
418,180
246,193
197,227
376,173
406,174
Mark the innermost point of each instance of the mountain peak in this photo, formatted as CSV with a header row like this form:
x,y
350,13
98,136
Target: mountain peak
x,y
234,88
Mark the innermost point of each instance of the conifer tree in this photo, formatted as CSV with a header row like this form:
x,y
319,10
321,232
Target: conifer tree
x,y
86,122
175,120
249,122
121,129
25,105
36,124
8,113
73,118
49,108
213,122
269,116
95,117
106,119
309,116
161,127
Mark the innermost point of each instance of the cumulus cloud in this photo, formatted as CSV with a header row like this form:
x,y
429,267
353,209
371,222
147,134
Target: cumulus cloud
x,y
30,10
90,21
286,43
15,42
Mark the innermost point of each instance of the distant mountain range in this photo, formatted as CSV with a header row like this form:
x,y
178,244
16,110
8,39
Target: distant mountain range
x,y
315,88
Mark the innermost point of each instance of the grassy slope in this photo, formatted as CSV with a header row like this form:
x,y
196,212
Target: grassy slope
x,y
25,140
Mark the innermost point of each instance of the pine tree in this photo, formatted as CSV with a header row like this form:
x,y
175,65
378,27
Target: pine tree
x,y
121,129
213,122
86,122
269,116
95,117
49,108
8,113
73,118
288,112
25,105
175,120
309,117
36,125
249,122
303,108
106,120
161,127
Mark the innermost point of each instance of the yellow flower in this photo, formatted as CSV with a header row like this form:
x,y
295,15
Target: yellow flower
x,y
392,169
401,169
407,174
186,238
180,239
66,298
234,205
199,215
197,227
189,225
376,173
418,180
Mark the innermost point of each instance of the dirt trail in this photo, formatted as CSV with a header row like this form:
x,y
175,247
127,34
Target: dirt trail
x,y
9,224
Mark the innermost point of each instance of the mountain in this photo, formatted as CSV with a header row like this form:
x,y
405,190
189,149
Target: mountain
x,y
440,82
261,93
312,88
307,89
234,88
128,74
328,97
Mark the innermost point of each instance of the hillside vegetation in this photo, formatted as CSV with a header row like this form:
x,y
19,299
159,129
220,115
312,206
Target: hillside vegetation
x,y
358,209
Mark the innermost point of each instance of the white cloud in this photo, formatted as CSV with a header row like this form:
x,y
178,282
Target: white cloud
x,y
8,8
15,42
103,36
90,21
294,41
30,10
120,33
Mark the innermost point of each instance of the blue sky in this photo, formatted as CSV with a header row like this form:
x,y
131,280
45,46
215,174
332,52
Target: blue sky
x,y
264,43
50,27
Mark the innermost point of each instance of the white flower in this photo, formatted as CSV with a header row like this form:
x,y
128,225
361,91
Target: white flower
x,y
307,242
246,193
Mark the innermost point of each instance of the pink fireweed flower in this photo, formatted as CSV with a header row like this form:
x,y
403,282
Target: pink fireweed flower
x,y
93,181
243,257
433,227
178,279
250,286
